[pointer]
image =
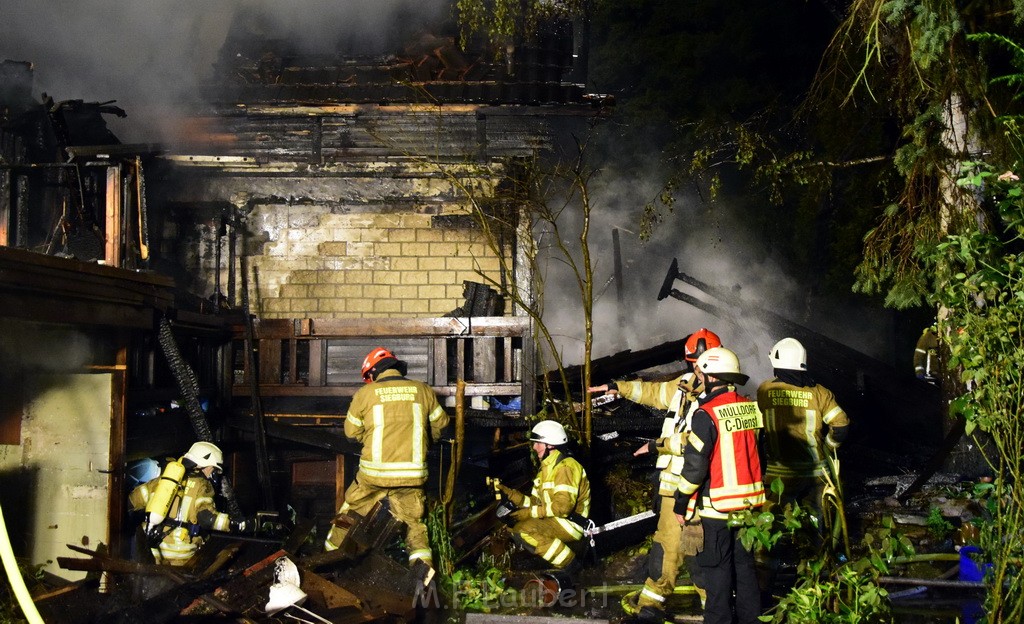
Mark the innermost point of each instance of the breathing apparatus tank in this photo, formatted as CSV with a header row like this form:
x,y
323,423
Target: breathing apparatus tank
x,y
159,502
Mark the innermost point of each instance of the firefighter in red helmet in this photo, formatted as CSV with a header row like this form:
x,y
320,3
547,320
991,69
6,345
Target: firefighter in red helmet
x,y
395,419
671,540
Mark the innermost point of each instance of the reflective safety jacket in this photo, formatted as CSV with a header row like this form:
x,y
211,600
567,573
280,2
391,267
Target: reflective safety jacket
x,y
561,491
722,462
926,354
395,419
679,397
794,423
182,536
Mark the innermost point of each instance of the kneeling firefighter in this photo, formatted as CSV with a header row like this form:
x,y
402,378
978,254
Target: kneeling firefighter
x,y
179,505
551,520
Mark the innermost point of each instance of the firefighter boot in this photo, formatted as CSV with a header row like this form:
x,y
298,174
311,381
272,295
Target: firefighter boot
x,y
648,615
337,537
629,605
422,576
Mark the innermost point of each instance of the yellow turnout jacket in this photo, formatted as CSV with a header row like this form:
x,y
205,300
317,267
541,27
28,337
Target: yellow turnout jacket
x,y
395,419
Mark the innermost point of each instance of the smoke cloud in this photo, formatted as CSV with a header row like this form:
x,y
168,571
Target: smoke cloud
x,y
713,244
152,56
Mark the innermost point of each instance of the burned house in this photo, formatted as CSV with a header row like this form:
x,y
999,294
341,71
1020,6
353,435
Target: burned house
x,y
226,284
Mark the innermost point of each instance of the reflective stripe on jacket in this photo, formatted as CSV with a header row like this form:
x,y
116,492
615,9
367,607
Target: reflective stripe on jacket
x,y
794,420
679,397
178,544
560,489
395,419
722,459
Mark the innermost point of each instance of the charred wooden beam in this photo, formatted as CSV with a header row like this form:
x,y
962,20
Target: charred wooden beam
x,y
497,326
314,437
109,564
626,363
872,390
60,290
279,390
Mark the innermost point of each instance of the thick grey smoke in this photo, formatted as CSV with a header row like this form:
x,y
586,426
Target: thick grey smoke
x,y
712,244
151,56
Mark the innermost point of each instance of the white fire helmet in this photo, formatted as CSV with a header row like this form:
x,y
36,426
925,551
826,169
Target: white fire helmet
x,y
549,432
788,353
204,454
721,363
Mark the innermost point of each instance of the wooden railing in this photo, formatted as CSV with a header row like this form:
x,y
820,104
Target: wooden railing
x,y
313,358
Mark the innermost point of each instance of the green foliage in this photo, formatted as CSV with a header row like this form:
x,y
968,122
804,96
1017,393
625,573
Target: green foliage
x,y
930,26
762,530
829,588
10,611
480,588
440,541
507,22
938,526
916,61
483,589
1013,81
834,591
629,495
979,282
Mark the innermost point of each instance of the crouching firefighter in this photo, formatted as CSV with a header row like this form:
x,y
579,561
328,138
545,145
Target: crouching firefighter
x,y
179,505
550,521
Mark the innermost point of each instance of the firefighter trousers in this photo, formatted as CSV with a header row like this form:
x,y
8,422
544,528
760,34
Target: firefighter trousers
x,y
408,504
547,538
728,567
805,491
666,555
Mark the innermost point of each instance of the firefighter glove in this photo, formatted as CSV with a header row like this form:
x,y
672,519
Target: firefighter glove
x,y
691,538
500,489
520,514
154,535
504,512
495,484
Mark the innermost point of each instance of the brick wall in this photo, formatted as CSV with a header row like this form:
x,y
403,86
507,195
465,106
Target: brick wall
x,y
320,264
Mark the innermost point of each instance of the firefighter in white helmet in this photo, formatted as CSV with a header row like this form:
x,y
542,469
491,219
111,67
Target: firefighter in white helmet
x,y
551,520
672,542
179,505
802,424
395,419
722,474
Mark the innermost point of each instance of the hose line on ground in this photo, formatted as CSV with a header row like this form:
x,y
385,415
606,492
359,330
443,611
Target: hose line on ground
x,y
28,607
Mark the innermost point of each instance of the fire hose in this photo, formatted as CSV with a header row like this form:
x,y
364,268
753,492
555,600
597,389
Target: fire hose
x,y
28,607
832,502
188,385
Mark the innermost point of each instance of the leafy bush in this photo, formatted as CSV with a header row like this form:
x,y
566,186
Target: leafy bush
x,y
831,588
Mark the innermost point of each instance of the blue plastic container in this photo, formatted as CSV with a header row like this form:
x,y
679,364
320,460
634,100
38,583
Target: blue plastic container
x,y
969,568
